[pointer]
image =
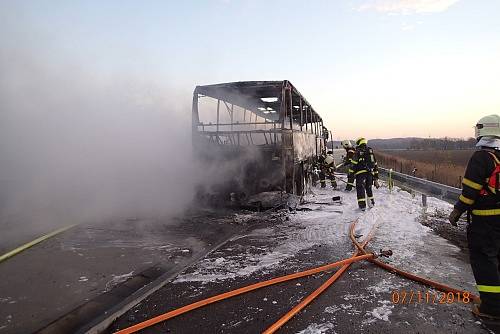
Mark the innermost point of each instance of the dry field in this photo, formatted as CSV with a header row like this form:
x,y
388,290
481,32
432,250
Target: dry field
x,y
441,166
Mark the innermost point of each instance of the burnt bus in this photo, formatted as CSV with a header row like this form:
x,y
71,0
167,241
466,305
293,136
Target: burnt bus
x,y
256,136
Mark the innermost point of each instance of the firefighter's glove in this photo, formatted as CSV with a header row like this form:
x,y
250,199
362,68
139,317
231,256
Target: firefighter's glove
x,y
454,216
376,184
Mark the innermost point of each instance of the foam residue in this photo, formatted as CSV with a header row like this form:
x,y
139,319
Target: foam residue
x,y
382,312
318,328
117,279
395,217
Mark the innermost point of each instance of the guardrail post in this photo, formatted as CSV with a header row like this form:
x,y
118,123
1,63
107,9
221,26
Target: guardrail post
x,y
390,183
424,207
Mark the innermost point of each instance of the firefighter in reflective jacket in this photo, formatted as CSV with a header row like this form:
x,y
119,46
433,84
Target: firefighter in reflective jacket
x,y
481,199
327,169
350,151
365,170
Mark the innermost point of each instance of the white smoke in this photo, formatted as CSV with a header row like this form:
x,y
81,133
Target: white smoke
x,y
78,146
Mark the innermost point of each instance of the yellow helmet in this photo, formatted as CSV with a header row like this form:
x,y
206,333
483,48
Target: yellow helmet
x,y
361,141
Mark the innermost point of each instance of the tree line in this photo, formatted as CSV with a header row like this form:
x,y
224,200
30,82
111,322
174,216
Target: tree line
x,y
413,143
442,144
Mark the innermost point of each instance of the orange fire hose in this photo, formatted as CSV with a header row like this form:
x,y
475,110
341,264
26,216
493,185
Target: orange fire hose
x,y
229,294
356,257
306,301
428,282
284,319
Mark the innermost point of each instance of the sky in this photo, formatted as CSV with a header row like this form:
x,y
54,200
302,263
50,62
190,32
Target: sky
x,y
372,68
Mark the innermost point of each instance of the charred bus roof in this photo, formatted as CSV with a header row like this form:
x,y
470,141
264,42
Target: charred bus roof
x,y
261,97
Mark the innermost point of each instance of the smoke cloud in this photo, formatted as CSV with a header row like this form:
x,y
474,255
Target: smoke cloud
x,y
79,145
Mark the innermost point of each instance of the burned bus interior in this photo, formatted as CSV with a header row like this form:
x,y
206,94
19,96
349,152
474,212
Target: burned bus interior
x,y
258,135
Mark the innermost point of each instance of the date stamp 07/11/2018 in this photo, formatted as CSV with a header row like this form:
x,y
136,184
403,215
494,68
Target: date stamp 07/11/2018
x,y
406,297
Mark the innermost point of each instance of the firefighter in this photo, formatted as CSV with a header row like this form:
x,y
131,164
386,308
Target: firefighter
x,y
349,150
365,170
481,199
327,168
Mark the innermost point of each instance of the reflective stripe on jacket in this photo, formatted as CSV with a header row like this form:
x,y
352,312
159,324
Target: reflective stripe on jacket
x,y
364,161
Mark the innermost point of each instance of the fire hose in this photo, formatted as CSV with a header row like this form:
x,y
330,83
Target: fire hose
x,y
360,250
233,293
359,255
284,319
413,277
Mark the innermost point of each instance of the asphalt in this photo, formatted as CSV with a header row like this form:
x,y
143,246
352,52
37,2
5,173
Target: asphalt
x,y
74,278
80,273
360,301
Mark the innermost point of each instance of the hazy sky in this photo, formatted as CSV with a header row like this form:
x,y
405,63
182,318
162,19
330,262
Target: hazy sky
x,y
377,68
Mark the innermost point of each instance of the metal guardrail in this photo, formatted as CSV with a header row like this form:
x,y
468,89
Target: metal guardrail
x,y
434,189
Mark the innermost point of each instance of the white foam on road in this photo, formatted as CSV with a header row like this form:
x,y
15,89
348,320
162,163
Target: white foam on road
x,y
382,312
117,279
386,285
396,215
323,225
318,329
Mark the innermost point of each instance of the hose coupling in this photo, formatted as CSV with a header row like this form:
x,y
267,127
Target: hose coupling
x,y
385,253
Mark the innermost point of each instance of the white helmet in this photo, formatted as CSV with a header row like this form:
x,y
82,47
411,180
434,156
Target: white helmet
x,y
488,126
346,144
